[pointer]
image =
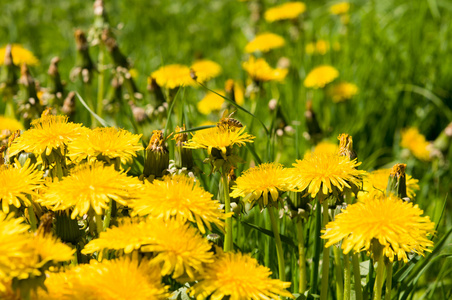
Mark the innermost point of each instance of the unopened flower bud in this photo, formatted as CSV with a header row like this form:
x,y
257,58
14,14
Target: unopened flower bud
x,y
397,182
157,157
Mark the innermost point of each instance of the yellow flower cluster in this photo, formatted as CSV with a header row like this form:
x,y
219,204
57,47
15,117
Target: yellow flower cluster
x,y
416,143
260,70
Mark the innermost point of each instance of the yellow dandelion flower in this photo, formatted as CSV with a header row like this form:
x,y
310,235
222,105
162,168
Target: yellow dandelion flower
x,y
396,224
260,70
320,47
262,181
211,102
340,8
219,138
377,181
8,125
180,249
326,173
181,198
416,143
324,147
238,276
47,133
122,278
133,73
206,69
236,87
173,76
16,183
342,91
286,11
90,186
20,56
320,76
265,42
110,143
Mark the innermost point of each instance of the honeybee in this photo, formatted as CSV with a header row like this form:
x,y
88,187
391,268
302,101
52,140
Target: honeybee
x,y
227,122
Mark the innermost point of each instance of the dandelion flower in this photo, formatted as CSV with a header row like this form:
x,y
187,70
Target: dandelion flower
x,y
122,278
340,8
8,125
320,76
265,42
395,224
181,198
20,56
16,183
173,76
109,143
47,133
326,173
206,69
286,11
90,186
324,147
416,143
342,91
211,102
262,181
233,86
377,181
260,70
320,47
217,138
237,276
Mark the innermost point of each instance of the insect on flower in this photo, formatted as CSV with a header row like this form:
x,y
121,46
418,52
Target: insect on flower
x,y
226,122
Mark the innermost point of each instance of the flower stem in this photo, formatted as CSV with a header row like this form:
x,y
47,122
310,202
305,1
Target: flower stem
x,y
357,277
108,216
317,242
279,249
388,280
326,256
380,276
99,224
347,275
301,256
100,83
32,216
227,209
338,272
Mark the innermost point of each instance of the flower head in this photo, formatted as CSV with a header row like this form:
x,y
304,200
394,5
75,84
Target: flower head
x,y
106,143
395,224
8,125
326,173
206,69
211,102
16,183
181,198
268,179
342,91
265,42
320,76
173,76
47,133
260,70
416,143
286,11
90,186
340,8
324,147
320,47
237,276
20,56
219,138
377,181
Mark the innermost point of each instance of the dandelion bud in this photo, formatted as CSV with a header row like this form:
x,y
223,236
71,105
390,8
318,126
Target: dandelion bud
x,y
8,78
66,228
183,157
397,182
84,66
69,104
29,104
157,157
346,146
55,85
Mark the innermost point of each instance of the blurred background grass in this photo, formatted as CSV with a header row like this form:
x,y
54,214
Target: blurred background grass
x,y
397,52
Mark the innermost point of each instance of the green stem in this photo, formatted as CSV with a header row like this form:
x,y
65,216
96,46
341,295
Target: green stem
x,y
100,84
227,209
347,275
380,276
33,221
301,256
99,224
108,216
326,256
338,272
388,280
279,249
317,242
357,277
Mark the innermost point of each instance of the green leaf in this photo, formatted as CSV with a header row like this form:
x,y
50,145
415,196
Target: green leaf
x,y
99,119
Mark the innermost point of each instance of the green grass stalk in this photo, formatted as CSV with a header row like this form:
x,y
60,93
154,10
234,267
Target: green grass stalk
x,y
279,249
338,273
347,277
228,246
388,280
317,243
301,257
357,277
326,256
